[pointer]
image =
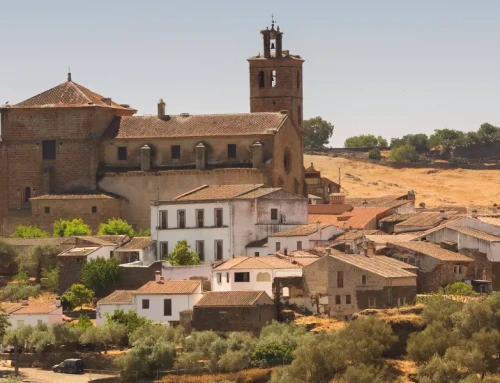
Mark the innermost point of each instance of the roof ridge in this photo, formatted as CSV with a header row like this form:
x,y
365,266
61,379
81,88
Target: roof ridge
x,y
190,192
77,87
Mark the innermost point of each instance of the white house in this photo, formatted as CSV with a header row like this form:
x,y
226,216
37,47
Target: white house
x,y
118,300
218,221
141,249
26,313
252,273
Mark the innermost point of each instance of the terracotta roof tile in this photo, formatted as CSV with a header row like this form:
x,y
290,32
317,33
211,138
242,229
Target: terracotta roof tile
x,y
36,241
205,125
67,94
475,233
426,219
231,298
357,218
136,243
377,264
168,287
323,208
37,308
300,230
9,308
117,297
384,201
266,262
383,239
71,196
223,192
432,250
357,234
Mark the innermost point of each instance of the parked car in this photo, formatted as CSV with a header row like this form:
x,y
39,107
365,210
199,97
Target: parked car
x,y
69,366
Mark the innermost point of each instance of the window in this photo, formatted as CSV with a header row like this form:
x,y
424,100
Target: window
x,y
219,278
20,323
145,304
337,299
363,279
200,218
274,214
49,150
175,152
372,302
460,270
27,194
200,249
163,219
47,210
401,301
340,279
181,219
122,153
218,249
167,307
163,249
227,277
274,81
231,150
455,269
242,277
278,246
299,245
348,299
218,217
39,321
262,81
256,254
94,209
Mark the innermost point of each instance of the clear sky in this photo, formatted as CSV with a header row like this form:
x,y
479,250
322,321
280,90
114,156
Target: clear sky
x,y
385,67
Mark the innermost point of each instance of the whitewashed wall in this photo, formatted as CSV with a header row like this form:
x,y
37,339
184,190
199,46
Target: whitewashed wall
x,y
32,319
103,251
102,309
155,311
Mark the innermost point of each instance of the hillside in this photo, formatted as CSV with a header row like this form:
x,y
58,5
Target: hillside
x,y
434,187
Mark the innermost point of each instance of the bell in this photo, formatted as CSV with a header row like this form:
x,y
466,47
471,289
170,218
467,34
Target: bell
x,y
272,46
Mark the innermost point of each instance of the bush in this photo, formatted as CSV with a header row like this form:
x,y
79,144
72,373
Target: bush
x,y
100,275
374,154
234,361
38,258
14,292
142,233
143,360
182,256
190,362
76,296
8,255
131,320
116,226
63,228
460,288
434,340
270,355
457,161
29,232
404,153
363,373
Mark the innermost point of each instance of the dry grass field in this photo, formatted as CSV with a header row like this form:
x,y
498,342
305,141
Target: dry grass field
x,y
434,187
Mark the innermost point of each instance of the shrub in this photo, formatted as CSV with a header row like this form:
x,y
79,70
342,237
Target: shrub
x,y
8,255
404,153
151,333
200,341
63,228
460,288
116,226
246,376
434,340
190,362
270,355
457,161
234,361
142,233
101,275
14,292
38,258
76,296
182,256
374,154
131,320
29,232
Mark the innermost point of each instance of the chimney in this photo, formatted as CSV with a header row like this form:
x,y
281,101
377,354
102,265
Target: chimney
x,y
161,108
200,156
411,195
57,301
495,209
318,226
257,155
286,251
157,276
474,213
370,248
145,158
24,302
106,100
442,215
69,76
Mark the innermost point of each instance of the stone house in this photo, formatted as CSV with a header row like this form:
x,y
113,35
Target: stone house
x,y
437,266
319,187
218,221
423,221
398,203
72,141
227,311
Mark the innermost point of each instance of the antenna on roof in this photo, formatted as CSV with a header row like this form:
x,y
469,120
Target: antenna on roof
x,y
69,73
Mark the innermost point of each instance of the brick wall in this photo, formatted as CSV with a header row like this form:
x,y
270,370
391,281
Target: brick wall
x,y
482,267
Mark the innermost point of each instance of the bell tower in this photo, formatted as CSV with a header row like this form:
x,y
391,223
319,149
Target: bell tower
x,y
276,78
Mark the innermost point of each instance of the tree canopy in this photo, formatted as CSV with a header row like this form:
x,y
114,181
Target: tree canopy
x,y
100,275
8,256
115,226
29,232
77,295
183,256
365,141
316,133
403,153
37,259
64,228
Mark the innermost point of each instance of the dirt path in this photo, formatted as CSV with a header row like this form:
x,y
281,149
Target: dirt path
x,y
35,375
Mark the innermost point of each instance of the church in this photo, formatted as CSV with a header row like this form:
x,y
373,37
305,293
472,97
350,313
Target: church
x,y
70,153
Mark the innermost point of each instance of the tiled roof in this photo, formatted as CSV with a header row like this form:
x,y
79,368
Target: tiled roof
x,y
385,201
71,196
495,221
476,233
311,169
323,208
168,287
432,250
95,239
266,262
35,241
226,192
136,243
358,218
9,308
426,219
230,298
397,217
300,230
36,308
357,234
396,263
205,125
258,243
383,239
456,209
118,297
67,94
79,251
377,264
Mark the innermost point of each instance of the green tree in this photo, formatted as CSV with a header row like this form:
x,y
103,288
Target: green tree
x,y
374,154
50,279
460,288
103,337
448,139
16,291
382,142
77,295
404,153
182,256
29,232
235,361
100,275
8,256
131,320
362,141
64,228
115,226
434,340
38,258
19,338
316,133
83,322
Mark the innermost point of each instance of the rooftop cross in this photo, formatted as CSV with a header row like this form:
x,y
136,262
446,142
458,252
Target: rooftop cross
x,y
272,20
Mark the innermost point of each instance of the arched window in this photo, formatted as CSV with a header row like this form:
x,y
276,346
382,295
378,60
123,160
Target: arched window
x,y
27,194
263,277
274,81
298,79
262,81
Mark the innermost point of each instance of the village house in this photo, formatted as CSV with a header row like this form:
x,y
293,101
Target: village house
x,y
227,311
69,152
117,300
420,222
219,221
353,240
29,313
319,188
437,266
362,218
399,203
252,274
